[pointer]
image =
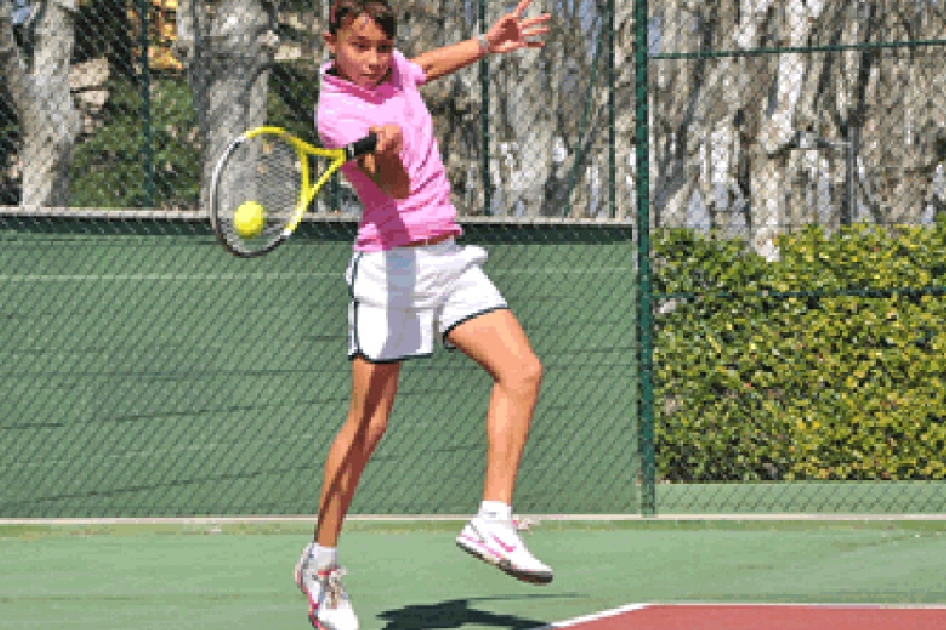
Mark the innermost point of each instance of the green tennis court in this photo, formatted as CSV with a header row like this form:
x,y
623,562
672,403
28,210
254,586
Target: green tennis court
x,y
409,576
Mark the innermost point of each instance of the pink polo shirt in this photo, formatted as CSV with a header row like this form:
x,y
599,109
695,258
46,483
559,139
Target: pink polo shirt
x,y
345,114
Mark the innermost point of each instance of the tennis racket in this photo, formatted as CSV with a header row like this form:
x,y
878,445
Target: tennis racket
x,y
262,186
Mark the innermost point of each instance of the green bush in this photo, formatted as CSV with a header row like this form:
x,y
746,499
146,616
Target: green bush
x,y
827,364
108,166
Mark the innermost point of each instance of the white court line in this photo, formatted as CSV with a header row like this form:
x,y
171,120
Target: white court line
x,y
595,518
179,277
598,616
550,270
78,212
534,519
159,277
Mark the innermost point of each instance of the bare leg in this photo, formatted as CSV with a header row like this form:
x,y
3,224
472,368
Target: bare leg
x,y
497,342
374,387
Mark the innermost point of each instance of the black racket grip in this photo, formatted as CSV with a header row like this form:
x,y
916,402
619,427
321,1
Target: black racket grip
x,y
362,147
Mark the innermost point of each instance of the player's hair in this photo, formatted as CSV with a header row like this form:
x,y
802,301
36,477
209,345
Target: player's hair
x,y
378,10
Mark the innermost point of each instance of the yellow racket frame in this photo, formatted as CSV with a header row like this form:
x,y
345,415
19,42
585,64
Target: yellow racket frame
x,y
307,192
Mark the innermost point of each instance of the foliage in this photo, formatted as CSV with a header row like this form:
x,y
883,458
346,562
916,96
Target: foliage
x,y
828,364
293,94
9,140
107,166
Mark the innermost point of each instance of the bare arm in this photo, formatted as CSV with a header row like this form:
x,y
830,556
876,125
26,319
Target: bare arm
x,y
384,166
447,60
507,34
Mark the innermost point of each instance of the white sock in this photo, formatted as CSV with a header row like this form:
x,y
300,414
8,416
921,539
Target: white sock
x,y
325,557
495,511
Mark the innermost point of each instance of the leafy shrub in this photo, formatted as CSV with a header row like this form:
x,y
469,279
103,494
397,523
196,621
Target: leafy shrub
x,y
828,364
108,166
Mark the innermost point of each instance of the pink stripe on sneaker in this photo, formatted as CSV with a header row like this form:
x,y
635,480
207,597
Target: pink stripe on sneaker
x,y
504,546
480,545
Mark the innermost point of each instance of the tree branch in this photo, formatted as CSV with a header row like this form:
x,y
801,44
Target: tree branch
x,y
11,63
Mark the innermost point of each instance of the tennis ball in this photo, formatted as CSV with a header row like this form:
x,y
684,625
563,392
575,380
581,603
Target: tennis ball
x,y
249,219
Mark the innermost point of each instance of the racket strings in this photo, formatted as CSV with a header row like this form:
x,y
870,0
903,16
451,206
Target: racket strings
x,y
264,170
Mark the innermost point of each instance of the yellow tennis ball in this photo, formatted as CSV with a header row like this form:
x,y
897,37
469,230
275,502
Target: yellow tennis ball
x,y
249,219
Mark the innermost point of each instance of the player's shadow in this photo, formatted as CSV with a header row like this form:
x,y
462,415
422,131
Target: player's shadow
x,y
456,613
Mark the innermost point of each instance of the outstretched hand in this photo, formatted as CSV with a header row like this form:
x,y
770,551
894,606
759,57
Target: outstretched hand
x,y
511,32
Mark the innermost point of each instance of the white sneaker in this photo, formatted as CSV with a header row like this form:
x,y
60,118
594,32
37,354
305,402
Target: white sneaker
x,y
498,543
329,605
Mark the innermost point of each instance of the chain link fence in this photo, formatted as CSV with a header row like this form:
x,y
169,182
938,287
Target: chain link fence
x,y
147,373
767,337
797,233
157,87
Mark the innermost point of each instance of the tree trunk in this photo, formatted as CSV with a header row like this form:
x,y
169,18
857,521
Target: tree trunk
x,y
227,48
905,131
625,120
453,101
39,87
527,114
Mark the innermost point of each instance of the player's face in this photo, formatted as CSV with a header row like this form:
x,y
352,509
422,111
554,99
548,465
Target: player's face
x,y
363,52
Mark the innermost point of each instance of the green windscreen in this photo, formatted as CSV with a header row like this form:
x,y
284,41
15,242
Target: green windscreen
x,y
146,372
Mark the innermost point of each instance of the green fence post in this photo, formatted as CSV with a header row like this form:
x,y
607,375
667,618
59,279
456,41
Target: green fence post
x,y
612,207
144,41
644,290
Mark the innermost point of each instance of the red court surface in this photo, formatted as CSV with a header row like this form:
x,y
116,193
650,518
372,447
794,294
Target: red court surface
x,y
761,617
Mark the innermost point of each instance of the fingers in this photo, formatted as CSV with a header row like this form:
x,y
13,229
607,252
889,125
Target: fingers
x,y
545,17
390,139
535,32
520,9
511,32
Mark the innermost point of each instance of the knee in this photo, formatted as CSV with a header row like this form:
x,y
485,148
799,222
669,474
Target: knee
x,y
525,376
533,371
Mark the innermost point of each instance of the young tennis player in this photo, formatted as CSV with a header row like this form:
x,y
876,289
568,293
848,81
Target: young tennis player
x,y
409,281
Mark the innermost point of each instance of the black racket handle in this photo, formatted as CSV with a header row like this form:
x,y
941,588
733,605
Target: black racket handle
x,y
362,147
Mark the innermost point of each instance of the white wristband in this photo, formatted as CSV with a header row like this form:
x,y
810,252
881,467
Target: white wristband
x,y
484,45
